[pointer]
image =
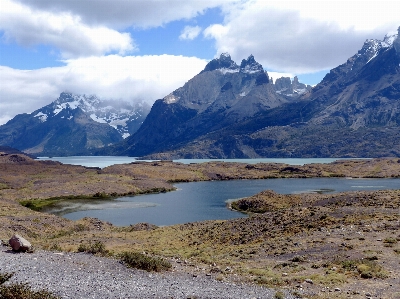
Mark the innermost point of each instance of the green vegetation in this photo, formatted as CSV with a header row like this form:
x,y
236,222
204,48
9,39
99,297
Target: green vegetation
x,y
144,262
94,248
21,290
390,242
41,204
4,186
365,268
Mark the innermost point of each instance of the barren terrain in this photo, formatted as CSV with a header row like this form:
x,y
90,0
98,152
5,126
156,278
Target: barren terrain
x,y
316,245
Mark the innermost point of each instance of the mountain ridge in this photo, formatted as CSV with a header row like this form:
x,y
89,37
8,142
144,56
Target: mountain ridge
x,y
352,112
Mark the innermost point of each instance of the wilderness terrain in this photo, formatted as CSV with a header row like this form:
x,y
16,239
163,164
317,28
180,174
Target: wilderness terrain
x,y
310,244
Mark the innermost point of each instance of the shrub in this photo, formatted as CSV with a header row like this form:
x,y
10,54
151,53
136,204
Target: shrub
x,y
365,268
144,262
389,242
97,247
21,290
5,277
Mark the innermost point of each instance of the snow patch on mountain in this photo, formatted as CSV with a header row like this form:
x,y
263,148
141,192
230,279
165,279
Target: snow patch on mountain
x,y
250,66
225,70
118,114
41,116
97,119
171,98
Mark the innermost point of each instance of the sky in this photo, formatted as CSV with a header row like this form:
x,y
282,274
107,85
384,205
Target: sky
x,y
137,50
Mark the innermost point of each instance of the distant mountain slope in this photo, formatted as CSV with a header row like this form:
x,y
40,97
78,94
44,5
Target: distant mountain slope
x,y
221,95
230,111
73,124
364,91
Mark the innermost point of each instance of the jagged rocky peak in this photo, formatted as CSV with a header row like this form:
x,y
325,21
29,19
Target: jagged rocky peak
x,y
286,86
372,47
224,62
226,65
283,83
250,65
70,101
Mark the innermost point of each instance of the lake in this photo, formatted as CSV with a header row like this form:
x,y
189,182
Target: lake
x,y
201,201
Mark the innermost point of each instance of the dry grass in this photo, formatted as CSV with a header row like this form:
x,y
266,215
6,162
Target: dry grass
x,y
289,239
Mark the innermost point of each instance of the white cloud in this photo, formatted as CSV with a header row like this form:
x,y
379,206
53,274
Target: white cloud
x,y
277,75
301,36
128,78
123,13
190,32
63,30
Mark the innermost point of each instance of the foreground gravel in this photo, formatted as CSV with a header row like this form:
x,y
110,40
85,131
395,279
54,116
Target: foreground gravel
x,y
81,275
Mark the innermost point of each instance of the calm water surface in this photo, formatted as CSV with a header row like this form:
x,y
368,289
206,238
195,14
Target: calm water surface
x,y
205,200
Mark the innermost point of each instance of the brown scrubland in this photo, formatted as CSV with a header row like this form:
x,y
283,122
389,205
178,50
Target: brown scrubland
x,y
344,245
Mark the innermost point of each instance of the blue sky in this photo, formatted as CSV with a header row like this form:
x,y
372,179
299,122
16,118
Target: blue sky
x,y
144,49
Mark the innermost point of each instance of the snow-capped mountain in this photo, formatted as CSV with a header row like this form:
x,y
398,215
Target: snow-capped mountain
x,y
73,125
125,117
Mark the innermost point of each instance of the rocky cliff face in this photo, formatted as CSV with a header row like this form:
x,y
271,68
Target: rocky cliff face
x,y
73,124
293,89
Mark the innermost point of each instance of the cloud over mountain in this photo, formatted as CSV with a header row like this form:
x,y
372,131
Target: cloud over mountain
x,y
300,36
111,77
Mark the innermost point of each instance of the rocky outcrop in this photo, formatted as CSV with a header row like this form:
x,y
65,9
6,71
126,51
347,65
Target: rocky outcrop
x,y
293,89
18,243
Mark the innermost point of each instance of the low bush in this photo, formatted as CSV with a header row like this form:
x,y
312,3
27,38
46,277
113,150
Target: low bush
x,y
5,277
365,268
141,261
390,242
97,247
21,290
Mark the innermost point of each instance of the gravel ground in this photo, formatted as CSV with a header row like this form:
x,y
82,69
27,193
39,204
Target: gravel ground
x,y
81,275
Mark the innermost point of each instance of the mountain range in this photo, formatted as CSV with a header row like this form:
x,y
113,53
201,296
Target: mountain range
x,y
73,125
234,111
231,111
